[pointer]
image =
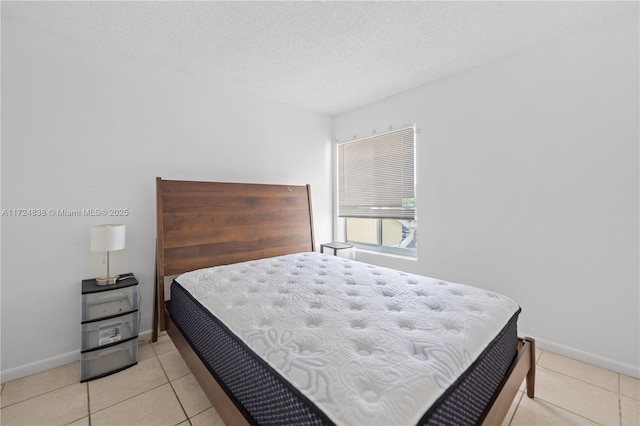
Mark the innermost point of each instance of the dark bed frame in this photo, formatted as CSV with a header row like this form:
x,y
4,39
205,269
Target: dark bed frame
x,y
205,224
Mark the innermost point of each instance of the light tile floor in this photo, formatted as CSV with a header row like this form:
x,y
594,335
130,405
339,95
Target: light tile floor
x,y
160,390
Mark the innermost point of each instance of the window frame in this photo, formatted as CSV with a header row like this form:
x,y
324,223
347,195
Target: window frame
x,y
379,247
343,220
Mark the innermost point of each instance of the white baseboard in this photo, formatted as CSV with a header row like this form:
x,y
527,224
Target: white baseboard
x,y
598,361
53,362
145,336
38,366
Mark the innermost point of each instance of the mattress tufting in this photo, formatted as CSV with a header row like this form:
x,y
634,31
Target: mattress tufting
x,y
364,344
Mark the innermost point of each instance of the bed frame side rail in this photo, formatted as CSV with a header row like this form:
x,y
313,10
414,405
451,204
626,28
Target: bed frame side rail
x,y
524,366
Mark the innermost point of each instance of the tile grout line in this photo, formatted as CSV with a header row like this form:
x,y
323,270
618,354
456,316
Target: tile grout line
x,y
174,390
179,401
138,394
39,395
575,378
618,375
513,416
88,404
200,412
619,401
171,385
580,380
567,410
131,397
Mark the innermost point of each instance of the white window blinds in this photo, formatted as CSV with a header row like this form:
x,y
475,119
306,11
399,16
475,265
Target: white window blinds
x,y
376,176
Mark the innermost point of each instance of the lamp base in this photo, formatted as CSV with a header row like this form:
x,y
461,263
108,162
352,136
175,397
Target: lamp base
x,y
110,279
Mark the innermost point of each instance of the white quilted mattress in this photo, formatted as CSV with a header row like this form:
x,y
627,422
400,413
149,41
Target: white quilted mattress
x,y
368,345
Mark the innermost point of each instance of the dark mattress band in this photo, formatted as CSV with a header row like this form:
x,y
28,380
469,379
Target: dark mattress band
x,y
264,397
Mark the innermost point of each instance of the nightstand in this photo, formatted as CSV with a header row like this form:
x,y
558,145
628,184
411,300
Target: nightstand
x,y
337,246
109,327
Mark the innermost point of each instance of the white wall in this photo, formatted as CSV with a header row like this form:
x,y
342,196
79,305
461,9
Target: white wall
x,y
527,184
527,180
83,128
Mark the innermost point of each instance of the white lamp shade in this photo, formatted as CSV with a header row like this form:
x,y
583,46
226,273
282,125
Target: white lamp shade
x,y
107,237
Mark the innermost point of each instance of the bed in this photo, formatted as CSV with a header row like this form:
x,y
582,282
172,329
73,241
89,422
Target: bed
x,y
276,333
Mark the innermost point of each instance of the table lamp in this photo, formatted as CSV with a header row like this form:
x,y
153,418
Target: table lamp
x,y
107,238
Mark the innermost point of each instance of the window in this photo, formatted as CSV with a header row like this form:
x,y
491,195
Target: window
x,y
376,191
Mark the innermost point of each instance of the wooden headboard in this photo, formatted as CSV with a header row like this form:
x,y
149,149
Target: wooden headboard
x,y
204,224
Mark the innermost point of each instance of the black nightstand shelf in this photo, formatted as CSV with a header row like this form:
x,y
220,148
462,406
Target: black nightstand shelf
x,y
336,246
110,320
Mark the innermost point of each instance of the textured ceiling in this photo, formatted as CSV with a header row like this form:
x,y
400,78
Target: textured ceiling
x,y
328,57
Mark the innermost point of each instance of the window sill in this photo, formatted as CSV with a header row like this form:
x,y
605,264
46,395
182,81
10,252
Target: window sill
x,y
385,254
